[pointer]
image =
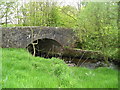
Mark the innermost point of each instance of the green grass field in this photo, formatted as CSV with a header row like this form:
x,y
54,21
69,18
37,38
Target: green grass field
x,y
21,70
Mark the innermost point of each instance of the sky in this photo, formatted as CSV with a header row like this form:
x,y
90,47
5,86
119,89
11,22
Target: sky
x,y
69,2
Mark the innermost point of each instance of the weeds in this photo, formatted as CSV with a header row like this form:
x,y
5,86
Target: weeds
x,y
21,70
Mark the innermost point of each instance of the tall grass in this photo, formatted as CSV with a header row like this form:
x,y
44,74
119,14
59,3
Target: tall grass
x,y
21,70
0,68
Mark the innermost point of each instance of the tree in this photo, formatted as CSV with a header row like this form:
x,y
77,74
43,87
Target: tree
x,y
98,27
7,11
68,16
40,14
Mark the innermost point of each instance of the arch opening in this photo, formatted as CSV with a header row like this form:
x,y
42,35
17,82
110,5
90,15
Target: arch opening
x,y
46,48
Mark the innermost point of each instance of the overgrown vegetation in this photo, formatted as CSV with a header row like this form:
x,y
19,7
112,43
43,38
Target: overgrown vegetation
x,y
21,70
95,22
98,27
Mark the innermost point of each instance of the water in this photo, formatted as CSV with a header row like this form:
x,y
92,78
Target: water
x,y
88,63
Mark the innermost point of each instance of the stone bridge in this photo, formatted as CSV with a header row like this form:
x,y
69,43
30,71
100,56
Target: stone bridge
x,y
45,42
43,38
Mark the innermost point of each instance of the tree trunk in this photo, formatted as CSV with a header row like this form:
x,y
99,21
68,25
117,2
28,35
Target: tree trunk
x,y
78,53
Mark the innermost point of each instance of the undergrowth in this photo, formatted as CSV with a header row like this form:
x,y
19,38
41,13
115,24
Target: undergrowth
x,y
21,70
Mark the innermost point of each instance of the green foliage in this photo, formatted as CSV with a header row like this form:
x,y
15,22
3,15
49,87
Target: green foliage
x,y
97,27
40,14
0,67
48,14
9,25
68,16
21,70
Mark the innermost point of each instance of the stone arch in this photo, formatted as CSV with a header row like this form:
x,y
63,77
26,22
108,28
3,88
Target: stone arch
x,y
45,47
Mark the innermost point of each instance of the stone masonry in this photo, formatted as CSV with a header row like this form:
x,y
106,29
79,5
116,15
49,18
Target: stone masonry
x,y
21,37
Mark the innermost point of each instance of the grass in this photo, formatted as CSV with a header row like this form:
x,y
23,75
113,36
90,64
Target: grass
x,y
21,70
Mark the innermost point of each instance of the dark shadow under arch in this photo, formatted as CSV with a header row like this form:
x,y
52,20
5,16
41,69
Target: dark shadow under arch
x,y
45,48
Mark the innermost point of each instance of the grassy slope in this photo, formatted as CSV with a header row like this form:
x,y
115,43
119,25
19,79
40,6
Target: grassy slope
x,y
21,70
